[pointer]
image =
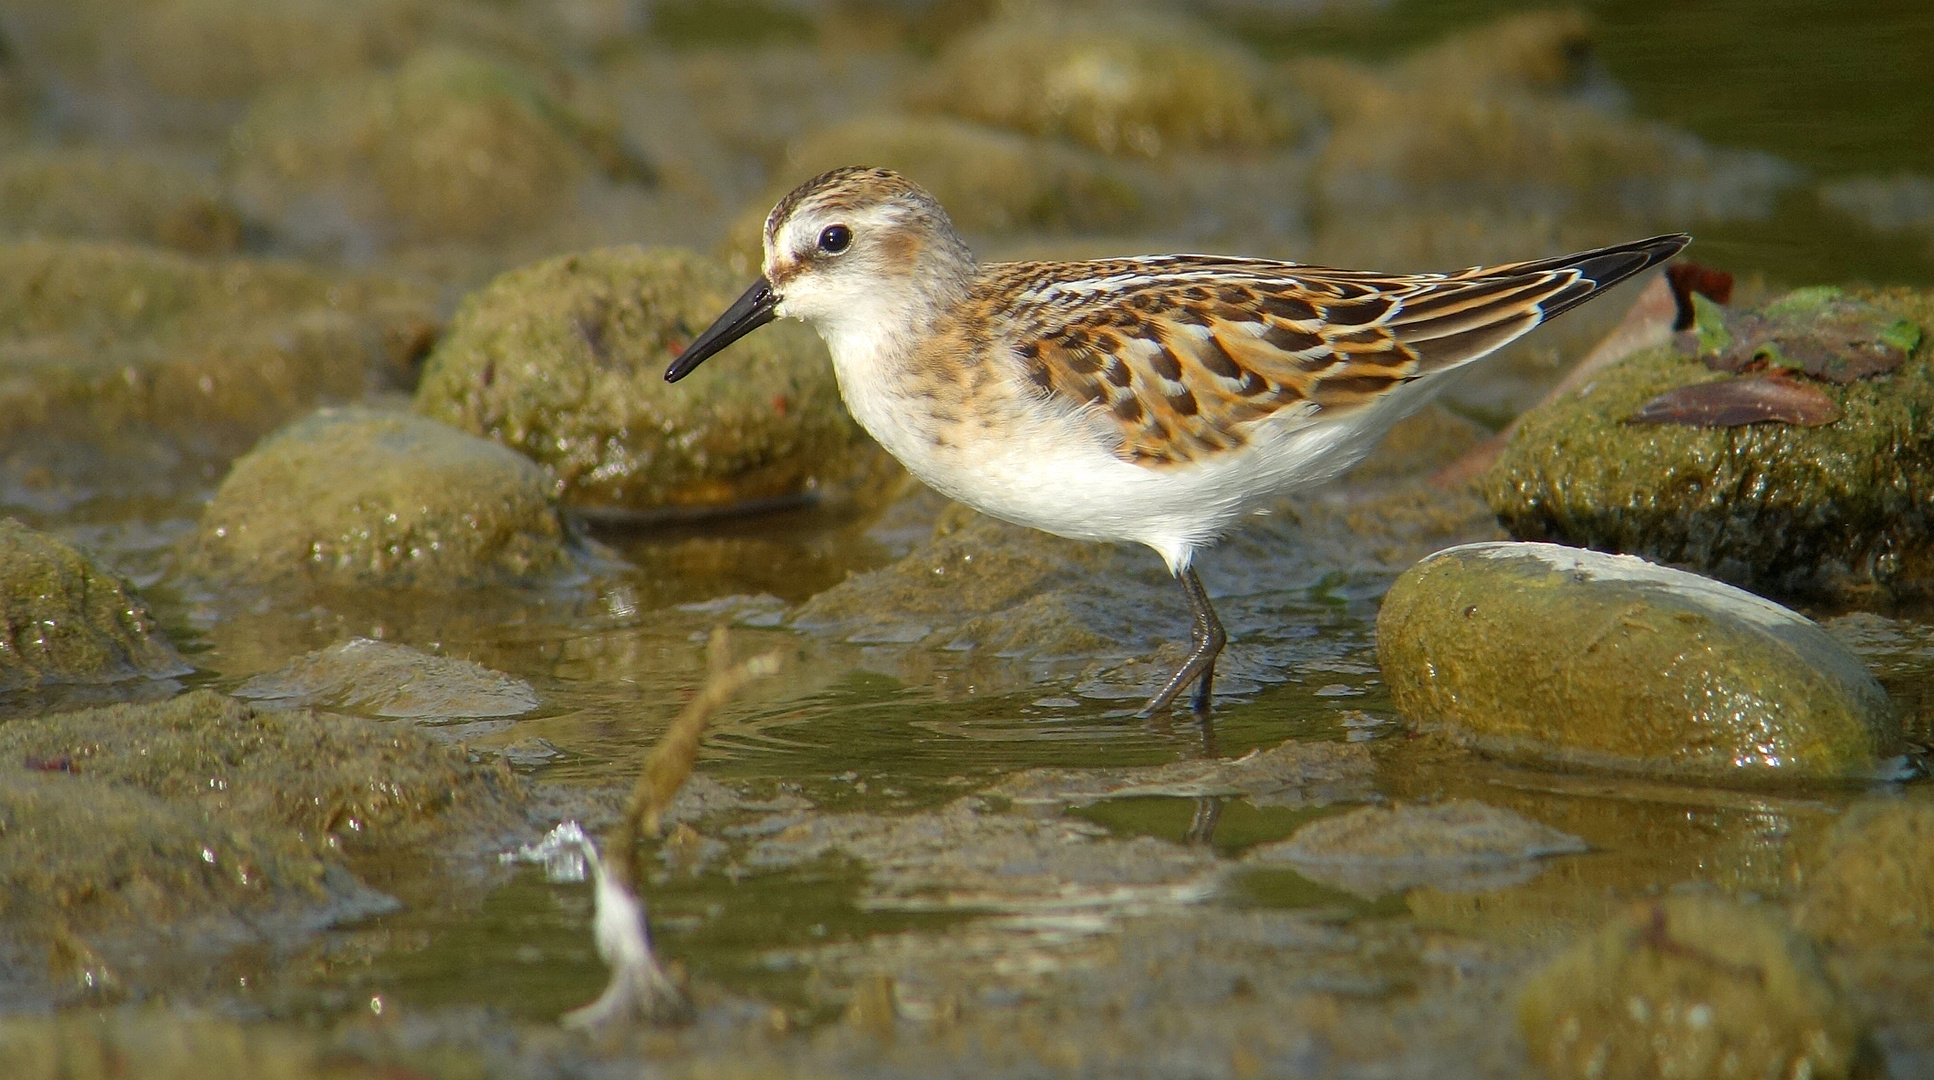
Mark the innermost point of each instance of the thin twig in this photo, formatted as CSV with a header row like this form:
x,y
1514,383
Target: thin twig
x,y
638,986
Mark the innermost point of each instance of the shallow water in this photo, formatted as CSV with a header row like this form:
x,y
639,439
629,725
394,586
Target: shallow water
x,y
859,725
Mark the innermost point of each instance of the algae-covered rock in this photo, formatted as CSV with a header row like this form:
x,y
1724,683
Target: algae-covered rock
x,y
1871,882
564,361
327,780
142,842
1121,82
1456,846
233,49
1689,986
449,146
91,853
1559,655
99,339
63,619
357,496
984,584
1833,510
89,193
1489,118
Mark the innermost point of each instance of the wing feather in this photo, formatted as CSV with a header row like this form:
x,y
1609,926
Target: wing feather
x,y
1184,354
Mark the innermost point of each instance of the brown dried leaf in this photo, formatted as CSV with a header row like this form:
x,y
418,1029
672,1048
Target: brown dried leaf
x,y
1755,399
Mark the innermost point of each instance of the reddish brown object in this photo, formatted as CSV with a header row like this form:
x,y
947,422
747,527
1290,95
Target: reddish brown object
x,y
1755,399
1688,278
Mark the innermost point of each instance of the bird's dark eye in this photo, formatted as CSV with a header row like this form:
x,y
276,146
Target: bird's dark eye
x,y
834,239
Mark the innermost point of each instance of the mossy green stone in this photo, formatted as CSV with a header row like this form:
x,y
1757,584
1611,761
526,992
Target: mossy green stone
x,y
356,496
99,340
1690,986
1841,510
1124,83
1871,881
451,145
564,361
1555,655
65,620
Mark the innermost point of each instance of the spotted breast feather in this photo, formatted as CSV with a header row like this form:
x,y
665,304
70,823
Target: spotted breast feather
x,y
1185,353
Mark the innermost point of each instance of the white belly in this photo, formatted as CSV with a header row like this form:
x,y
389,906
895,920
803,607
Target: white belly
x,y
1056,473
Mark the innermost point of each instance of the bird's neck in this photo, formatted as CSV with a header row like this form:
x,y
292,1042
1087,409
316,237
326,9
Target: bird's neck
x,y
885,327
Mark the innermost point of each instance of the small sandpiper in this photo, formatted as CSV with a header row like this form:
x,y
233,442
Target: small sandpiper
x,y
1155,399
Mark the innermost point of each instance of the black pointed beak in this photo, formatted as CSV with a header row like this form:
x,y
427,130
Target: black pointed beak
x,y
747,313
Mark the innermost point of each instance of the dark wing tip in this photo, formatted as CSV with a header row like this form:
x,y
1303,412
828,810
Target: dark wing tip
x,y
1602,268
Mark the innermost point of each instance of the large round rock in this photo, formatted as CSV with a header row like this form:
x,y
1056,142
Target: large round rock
x,y
1558,655
564,361
363,497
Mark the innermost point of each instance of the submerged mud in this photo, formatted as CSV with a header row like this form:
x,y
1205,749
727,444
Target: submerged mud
x,y
338,672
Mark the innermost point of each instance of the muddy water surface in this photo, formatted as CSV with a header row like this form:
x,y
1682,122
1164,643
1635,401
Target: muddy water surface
x,y
866,878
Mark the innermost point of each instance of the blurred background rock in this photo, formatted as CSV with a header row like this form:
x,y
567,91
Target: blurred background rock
x,y
449,140
223,219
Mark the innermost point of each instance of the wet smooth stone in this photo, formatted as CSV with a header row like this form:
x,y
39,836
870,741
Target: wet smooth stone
x,y
1689,986
381,678
1556,655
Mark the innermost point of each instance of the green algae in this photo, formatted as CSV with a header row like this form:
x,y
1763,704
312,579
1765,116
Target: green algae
x,y
1835,511
216,50
359,496
1689,986
66,620
1515,650
378,678
1486,117
160,1043
564,361
1459,845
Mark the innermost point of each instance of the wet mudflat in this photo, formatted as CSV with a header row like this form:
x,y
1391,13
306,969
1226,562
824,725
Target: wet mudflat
x,y
359,544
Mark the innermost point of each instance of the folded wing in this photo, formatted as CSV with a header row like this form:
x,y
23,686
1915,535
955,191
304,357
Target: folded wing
x,y
1185,353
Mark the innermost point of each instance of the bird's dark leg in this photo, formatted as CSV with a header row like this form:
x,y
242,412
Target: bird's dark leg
x,y
1208,638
